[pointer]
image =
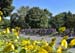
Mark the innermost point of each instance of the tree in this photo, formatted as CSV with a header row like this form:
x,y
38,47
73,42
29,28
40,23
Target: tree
x,y
57,21
22,12
6,7
14,20
37,18
18,18
49,14
69,20
6,23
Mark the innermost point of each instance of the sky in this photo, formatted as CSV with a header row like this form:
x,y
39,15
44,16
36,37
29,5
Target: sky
x,y
54,6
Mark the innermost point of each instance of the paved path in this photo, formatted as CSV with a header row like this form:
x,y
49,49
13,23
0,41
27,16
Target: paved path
x,y
47,38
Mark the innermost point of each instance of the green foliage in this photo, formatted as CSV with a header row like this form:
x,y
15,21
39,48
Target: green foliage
x,y
18,19
23,51
70,20
22,12
13,20
58,20
37,18
63,19
6,7
4,24
34,17
30,17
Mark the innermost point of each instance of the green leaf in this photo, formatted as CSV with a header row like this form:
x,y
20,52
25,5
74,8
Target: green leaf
x,y
23,51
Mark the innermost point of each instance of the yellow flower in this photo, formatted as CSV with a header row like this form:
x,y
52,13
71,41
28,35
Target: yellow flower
x,y
7,30
72,43
15,40
61,29
12,47
36,47
9,47
59,50
1,13
44,43
29,47
65,37
41,50
16,51
16,33
49,49
64,43
17,37
13,30
4,31
0,18
18,28
0,33
25,42
36,42
52,43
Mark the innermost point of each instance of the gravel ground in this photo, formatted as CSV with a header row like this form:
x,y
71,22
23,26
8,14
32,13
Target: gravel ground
x,y
47,38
